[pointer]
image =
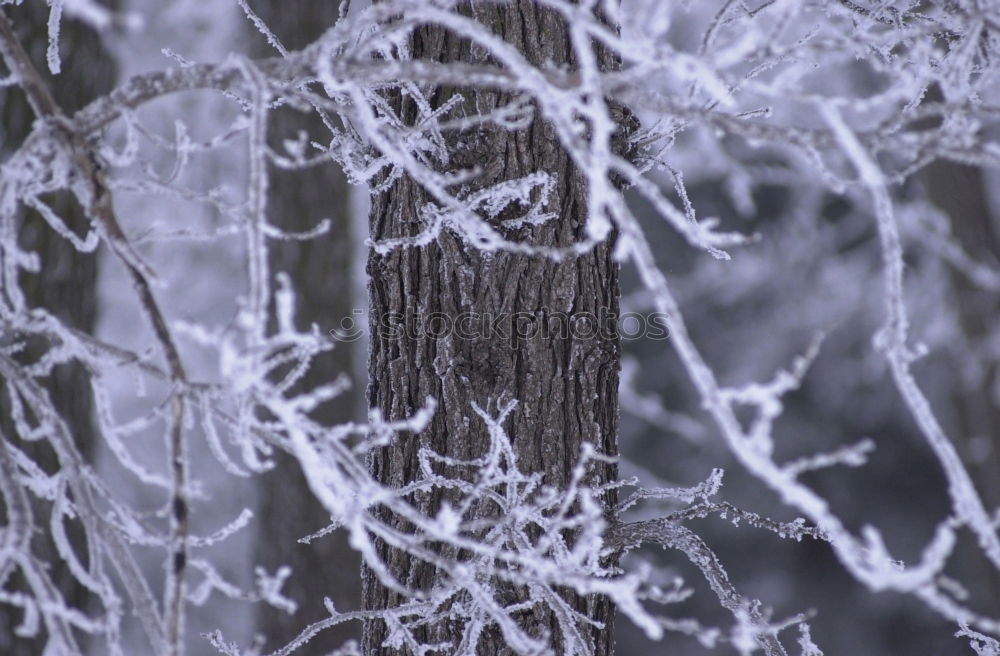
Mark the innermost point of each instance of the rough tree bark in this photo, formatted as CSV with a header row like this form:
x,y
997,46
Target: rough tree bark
x,y
321,271
67,282
566,387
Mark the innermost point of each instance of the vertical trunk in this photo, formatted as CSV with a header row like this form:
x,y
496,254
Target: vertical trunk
x,y
65,285
321,270
960,192
566,385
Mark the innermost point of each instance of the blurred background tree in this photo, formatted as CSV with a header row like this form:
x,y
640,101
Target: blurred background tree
x,y
66,282
322,269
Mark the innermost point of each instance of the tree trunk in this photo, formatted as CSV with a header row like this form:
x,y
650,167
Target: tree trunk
x,y
960,191
321,271
566,386
65,286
